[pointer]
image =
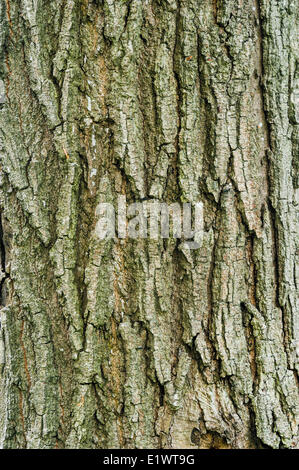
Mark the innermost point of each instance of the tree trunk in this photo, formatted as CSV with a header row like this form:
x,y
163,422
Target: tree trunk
x,y
124,343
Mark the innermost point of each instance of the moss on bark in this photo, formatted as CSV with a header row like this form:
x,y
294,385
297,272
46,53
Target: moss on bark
x,y
136,343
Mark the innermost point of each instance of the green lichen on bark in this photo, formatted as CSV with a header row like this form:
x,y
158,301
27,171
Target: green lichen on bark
x,y
137,343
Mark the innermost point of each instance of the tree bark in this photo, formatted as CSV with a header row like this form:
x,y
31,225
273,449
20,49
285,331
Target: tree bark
x,y
127,343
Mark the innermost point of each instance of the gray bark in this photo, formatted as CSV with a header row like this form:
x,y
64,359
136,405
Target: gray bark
x,y
138,343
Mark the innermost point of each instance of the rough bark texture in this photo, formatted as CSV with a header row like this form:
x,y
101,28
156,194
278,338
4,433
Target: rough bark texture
x,y
140,343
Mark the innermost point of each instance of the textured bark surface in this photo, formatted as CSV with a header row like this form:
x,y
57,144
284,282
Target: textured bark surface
x,y
140,343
